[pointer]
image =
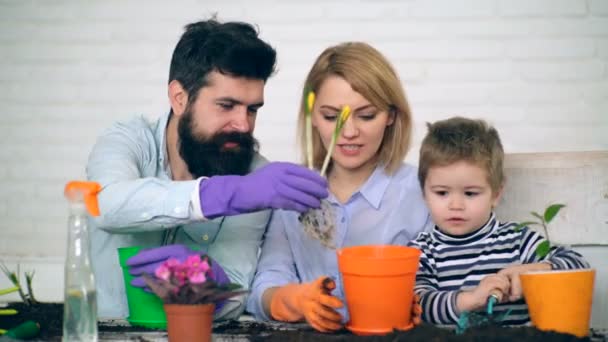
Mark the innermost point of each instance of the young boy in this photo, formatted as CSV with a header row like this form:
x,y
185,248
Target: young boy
x,y
469,255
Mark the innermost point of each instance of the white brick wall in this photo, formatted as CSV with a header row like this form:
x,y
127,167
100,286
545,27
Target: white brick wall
x,y
537,69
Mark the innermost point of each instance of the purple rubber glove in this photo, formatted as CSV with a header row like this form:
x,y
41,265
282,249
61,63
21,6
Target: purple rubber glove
x,y
273,186
148,260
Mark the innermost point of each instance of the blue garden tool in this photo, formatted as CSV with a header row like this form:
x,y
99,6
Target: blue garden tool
x,y
470,319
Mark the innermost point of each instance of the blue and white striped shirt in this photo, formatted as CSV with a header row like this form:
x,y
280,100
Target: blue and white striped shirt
x,y
450,264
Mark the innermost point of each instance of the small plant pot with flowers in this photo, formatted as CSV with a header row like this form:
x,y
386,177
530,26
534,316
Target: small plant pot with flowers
x,y
558,300
189,294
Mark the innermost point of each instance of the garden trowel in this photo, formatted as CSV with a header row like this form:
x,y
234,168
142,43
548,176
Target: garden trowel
x,y
471,319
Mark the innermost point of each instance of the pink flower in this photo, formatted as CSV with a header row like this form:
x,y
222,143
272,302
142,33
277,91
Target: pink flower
x,y
180,274
193,260
196,277
186,282
162,272
166,268
198,270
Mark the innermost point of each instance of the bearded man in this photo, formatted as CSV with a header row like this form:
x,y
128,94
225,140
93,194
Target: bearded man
x,y
193,179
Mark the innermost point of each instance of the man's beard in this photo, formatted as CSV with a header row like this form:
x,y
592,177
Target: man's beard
x,y
208,156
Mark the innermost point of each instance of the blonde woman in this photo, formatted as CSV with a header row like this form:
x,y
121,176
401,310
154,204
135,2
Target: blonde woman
x,y
376,197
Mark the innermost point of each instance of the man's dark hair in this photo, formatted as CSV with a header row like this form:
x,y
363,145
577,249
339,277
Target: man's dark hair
x,y
231,48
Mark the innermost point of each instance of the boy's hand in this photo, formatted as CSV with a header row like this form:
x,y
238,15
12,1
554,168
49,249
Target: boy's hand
x,y
477,298
416,311
512,272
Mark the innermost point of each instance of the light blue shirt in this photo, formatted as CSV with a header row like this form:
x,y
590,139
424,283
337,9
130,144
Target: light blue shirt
x,y
388,209
141,205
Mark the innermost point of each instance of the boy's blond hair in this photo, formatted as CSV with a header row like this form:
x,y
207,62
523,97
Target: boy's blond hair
x,y
461,139
370,74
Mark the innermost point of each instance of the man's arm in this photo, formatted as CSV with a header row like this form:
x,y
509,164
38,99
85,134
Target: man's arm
x,y
125,162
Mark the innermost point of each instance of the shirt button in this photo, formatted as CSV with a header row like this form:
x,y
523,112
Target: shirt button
x,y
205,237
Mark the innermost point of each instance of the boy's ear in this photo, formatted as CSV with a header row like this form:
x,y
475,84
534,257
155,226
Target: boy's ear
x,y
178,97
496,198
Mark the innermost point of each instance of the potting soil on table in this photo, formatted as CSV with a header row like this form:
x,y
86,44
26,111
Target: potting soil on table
x,y
50,316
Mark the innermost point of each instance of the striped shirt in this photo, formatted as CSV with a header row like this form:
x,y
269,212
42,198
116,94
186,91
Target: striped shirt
x,y
450,264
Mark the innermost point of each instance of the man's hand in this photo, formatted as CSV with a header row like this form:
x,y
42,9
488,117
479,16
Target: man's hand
x,y
274,186
310,301
512,272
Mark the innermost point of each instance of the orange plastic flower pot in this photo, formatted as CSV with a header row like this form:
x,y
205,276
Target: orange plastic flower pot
x,y
189,323
378,286
560,300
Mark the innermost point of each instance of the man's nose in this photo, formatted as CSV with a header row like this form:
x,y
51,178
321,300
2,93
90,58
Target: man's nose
x,y
240,121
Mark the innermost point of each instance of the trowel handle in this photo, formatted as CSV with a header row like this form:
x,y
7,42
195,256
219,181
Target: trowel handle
x,y
328,285
494,298
497,294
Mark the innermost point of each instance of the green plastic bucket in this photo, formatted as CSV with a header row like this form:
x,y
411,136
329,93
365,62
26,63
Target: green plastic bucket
x,y
145,309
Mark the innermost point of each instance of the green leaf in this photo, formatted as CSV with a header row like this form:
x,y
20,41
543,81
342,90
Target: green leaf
x,y
524,224
537,215
551,211
543,249
9,290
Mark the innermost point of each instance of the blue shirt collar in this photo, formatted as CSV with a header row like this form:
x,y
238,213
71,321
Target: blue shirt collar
x,y
373,189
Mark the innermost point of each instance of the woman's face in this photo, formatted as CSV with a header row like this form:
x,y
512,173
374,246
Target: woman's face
x,y
358,143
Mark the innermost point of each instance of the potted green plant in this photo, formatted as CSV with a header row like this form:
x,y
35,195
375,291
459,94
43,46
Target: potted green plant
x,y
189,294
558,300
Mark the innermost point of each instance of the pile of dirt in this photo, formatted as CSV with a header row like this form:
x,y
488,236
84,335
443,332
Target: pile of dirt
x,y
50,317
425,332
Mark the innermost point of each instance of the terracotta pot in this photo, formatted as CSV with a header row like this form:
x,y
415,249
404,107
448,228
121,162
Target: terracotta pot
x,y
378,286
560,300
189,323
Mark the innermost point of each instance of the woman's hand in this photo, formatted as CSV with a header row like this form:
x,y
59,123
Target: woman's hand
x,y
310,301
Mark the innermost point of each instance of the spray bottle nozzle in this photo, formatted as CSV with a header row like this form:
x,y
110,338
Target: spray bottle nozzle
x,y
86,191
